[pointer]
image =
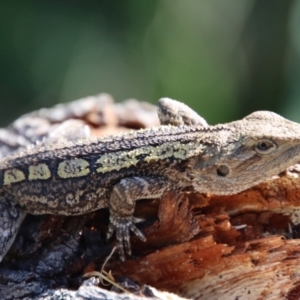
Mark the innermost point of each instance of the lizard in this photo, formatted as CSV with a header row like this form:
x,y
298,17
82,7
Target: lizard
x,y
87,174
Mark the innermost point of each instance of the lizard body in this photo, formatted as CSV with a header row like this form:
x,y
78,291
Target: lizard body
x,y
73,178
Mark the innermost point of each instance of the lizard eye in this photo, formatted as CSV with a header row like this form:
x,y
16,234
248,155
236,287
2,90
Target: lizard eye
x,y
265,146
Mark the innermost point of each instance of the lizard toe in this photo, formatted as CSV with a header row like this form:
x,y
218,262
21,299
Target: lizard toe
x,y
123,226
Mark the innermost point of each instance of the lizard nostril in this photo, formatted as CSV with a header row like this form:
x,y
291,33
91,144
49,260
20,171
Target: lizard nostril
x,y
223,170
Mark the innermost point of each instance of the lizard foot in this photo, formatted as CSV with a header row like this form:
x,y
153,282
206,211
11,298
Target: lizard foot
x,y
122,226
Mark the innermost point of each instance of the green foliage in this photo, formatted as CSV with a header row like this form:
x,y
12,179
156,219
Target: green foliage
x,y
224,58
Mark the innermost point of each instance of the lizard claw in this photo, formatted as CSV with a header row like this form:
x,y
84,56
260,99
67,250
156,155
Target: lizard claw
x,y
122,226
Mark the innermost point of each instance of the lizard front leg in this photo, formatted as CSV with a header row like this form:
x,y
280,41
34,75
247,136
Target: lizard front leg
x,y
122,204
172,112
11,218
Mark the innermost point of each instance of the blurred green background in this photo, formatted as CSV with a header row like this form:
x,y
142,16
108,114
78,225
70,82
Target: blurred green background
x,y
224,58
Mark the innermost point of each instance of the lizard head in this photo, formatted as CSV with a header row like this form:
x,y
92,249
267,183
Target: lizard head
x,y
247,152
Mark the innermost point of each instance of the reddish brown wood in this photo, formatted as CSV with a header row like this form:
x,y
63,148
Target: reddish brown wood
x,y
211,247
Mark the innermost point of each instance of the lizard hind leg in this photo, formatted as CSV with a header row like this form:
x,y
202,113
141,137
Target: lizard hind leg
x,y
11,218
122,204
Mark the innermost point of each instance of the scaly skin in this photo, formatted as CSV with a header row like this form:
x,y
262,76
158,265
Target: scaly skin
x,y
83,176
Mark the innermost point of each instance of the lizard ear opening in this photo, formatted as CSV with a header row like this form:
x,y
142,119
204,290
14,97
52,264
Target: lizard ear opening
x,y
223,171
